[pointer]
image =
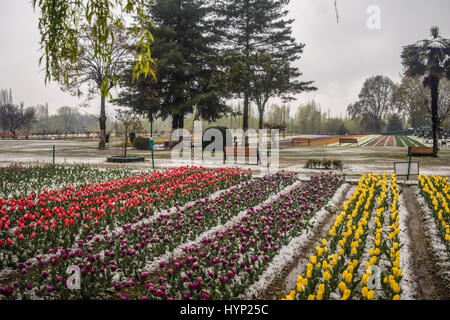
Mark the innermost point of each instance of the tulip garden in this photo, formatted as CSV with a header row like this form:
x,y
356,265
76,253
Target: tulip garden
x,y
365,234
198,233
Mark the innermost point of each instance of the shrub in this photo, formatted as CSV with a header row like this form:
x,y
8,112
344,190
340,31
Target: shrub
x,y
337,164
324,164
141,143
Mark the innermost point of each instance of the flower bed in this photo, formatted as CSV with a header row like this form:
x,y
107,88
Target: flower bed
x,y
435,214
436,191
57,218
224,265
359,239
125,253
20,181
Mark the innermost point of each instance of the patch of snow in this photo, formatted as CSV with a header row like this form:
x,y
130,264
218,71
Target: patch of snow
x,y
290,252
408,285
436,245
154,265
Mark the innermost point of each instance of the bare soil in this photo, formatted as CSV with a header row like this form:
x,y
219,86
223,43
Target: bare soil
x,y
429,285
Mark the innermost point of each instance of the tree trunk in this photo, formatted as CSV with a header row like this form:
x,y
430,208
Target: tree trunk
x,y
181,125
175,122
126,143
181,121
102,120
261,119
245,118
150,118
434,113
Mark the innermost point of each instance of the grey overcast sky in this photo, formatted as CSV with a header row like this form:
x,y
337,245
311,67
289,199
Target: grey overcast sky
x,y
338,57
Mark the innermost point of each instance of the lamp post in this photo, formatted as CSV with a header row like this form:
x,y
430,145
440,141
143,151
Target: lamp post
x,y
150,145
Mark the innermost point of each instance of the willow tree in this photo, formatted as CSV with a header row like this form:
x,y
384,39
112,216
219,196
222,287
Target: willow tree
x,y
429,58
94,74
60,24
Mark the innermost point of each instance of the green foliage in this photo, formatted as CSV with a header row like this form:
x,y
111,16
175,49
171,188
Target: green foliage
x,y
337,164
334,126
375,100
259,51
394,123
324,164
308,118
399,142
187,65
60,26
141,143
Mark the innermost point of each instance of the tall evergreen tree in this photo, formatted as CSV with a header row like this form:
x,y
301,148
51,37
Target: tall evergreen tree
x,y
187,73
252,28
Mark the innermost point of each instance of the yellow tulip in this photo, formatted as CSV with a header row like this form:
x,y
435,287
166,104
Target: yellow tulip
x,y
349,277
364,279
292,294
364,292
319,251
346,294
342,287
321,288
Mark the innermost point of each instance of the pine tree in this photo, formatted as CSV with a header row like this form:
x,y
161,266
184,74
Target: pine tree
x,y
184,53
255,29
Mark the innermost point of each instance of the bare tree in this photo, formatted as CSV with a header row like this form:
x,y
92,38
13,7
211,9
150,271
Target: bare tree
x,y
375,100
69,117
14,117
5,97
131,123
414,99
89,71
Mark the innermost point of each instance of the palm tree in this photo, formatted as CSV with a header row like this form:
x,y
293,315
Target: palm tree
x,y
429,58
